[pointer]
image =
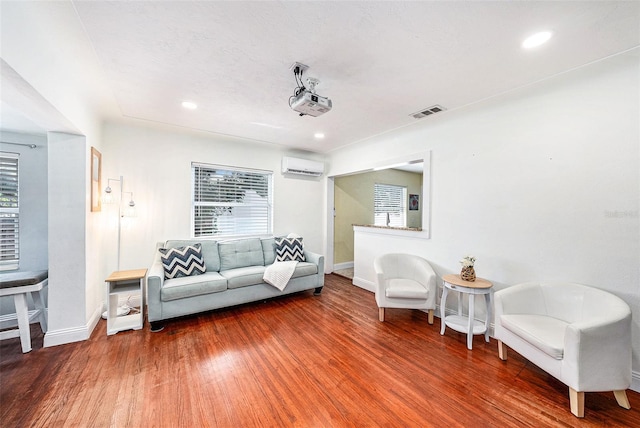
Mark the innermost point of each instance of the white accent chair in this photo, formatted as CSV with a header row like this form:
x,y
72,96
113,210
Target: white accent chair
x,y
578,334
405,281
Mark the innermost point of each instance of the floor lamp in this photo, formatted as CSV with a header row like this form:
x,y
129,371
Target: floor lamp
x,y
127,210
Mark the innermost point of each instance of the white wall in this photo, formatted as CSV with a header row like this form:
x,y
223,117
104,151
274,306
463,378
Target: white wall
x,y
67,244
155,162
539,184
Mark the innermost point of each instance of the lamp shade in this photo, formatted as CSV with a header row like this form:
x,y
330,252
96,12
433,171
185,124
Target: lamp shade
x,y
107,196
129,210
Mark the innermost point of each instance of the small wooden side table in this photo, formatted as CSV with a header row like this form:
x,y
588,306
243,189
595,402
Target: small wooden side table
x,y
459,322
126,282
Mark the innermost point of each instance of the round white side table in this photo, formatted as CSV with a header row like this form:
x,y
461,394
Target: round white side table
x,y
461,323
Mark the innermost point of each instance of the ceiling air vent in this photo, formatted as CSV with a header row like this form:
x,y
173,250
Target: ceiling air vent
x,y
428,111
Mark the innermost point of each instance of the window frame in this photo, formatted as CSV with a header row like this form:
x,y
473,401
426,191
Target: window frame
x,y
198,168
402,207
12,209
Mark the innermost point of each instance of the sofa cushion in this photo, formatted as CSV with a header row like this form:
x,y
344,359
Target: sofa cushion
x,y
240,253
209,251
179,288
406,289
182,261
289,249
268,250
305,269
244,276
543,332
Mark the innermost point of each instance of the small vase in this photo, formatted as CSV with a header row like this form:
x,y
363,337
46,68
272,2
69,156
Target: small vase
x,y
468,274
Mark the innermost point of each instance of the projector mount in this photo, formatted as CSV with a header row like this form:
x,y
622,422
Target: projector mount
x,y
312,82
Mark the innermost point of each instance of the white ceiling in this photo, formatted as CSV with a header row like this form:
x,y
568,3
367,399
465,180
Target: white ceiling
x,y
15,121
377,61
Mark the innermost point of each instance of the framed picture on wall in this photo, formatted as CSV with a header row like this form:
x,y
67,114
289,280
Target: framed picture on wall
x,y
414,202
96,179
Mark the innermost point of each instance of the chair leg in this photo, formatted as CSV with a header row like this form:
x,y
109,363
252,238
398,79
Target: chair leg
x,y
502,350
430,316
621,398
381,314
576,400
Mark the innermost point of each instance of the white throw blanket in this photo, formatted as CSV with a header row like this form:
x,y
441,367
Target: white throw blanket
x,y
279,273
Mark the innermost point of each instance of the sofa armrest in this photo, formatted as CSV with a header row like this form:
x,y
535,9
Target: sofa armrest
x,y
380,277
155,280
602,348
317,259
425,275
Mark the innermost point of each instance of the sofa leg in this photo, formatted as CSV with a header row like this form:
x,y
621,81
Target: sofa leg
x,y
317,291
576,399
621,398
156,326
502,350
430,319
381,314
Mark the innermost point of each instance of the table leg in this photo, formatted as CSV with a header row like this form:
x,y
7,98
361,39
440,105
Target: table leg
x,y
22,313
471,315
443,307
38,302
488,302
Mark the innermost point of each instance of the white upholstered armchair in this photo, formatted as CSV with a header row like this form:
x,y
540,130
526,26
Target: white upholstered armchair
x,y
580,335
405,281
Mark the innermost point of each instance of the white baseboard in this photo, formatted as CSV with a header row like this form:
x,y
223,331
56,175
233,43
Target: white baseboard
x,y
70,335
93,321
64,336
345,265
363,283
635,381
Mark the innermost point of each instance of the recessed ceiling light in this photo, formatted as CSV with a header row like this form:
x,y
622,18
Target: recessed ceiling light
x,y
319,135
536,39
189,105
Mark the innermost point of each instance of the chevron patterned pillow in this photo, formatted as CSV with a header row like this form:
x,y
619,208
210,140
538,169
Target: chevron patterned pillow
x,y
182,261
289,249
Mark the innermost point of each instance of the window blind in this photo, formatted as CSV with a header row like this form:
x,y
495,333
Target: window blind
x,y
390,201
230,201
9,212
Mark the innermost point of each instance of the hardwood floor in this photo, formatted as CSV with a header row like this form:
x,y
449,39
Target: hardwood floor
x,y
300,361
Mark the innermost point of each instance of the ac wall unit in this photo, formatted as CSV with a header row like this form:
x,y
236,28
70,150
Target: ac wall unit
x,y
302,167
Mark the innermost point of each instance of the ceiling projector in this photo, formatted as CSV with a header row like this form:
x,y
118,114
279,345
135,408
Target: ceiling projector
x,y
306,102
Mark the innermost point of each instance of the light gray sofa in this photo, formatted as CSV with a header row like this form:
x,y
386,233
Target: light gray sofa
x,y
234,275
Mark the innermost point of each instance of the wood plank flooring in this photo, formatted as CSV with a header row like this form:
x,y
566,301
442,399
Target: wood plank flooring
x,y
295,361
